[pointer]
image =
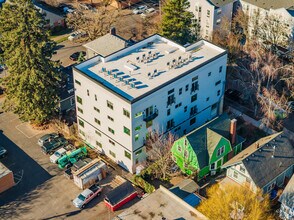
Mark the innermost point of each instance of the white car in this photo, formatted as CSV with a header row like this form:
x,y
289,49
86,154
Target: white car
x,y
76,35
140,9
68,10
57,154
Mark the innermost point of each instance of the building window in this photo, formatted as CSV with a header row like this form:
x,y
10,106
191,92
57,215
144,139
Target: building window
x,y
185,131
127,154
82,133
192,121
72,101
98,144
193,110
179,148
168,112
220,69
170,124
138,114
110,118
97,121
98,133
187,87
213,109
109,104
110,141
180,91
110,130
195,86
217,83
194,78
209,74
126,113
171,99
186,154
79,100
185,109
136,137
235,175
138,152
218,92
88,93
208,13
95,97
242,169
96,109
112,153
193,98
207,99
81,123
220,151
212,166
178,105
80,110
77,82
127,131
199,8
170,91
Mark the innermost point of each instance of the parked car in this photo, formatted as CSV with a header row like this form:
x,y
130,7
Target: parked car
x,y
75,56
49,147
150,10
46,138
86,196
76,35
68,9
140,9
3,152
57,154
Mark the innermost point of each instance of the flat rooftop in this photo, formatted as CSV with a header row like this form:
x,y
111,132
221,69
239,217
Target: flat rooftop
x,y
159,204
148,65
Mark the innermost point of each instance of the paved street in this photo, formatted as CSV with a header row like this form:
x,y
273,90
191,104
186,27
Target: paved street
x,y
41,190
65,49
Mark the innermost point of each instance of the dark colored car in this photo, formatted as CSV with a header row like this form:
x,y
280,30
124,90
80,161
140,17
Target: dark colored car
x,y
3,152
50,147
75,56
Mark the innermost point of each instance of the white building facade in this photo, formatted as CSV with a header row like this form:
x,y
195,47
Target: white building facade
x,y
282,10
153,84
210,14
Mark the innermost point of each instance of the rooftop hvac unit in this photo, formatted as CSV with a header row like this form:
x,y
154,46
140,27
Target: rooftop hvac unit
x,y
138,59
149,75
133,85
120,78
103,69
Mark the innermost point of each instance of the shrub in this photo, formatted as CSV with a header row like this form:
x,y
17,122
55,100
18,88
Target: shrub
x,y
139,181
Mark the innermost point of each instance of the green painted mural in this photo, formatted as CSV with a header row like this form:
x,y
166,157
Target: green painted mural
x,y
206,148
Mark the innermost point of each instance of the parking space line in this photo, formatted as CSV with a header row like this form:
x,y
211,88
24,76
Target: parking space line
x,y
17,127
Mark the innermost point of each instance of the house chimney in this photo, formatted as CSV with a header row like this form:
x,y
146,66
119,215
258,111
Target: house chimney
x,y
112,31
233,129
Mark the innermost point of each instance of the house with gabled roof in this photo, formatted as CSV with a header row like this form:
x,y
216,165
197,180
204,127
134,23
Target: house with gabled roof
x,y
265,164
207,148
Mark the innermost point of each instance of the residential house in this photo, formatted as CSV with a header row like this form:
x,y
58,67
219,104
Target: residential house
x,y
210,13
187,190
105,45
154,83
283,9
287,201
265,164
53,16
207,148
161,204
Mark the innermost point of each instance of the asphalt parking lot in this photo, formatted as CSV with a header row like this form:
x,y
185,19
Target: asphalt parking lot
x,y
41,190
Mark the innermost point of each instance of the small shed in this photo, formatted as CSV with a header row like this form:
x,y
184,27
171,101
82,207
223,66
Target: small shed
x,y
6,178
90,173
120,196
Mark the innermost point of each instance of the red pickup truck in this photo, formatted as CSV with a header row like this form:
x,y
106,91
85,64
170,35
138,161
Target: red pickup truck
x,y
87,195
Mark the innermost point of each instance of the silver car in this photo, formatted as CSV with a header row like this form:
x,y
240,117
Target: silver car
x,y
46,138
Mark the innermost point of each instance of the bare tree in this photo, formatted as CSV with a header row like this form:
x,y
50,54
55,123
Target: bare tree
x,y
159,155
94,24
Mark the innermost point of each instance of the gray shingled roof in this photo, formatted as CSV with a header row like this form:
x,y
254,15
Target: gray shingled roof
x,y
203,139
219,3
258,160
273,4
287,196
106,44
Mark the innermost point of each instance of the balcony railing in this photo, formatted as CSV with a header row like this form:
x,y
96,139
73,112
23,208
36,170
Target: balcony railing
x,y
150,117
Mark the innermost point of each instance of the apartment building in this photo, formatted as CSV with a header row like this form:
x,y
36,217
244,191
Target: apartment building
x,y
153,84
283,9
209,14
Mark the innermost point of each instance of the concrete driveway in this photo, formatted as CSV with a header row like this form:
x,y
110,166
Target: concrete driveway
x,y
41,190
65,49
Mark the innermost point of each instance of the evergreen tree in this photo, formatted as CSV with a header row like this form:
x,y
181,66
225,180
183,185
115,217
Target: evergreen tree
x,y
32,87
178,24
